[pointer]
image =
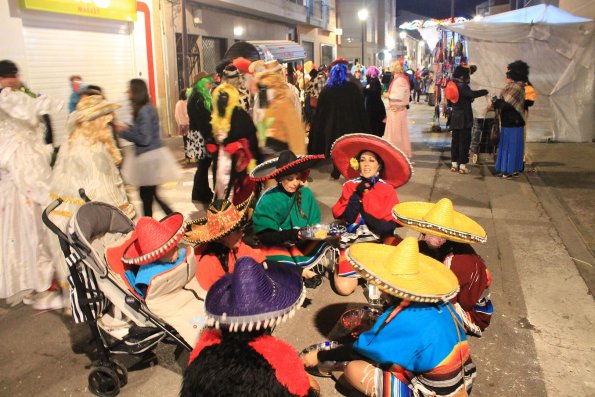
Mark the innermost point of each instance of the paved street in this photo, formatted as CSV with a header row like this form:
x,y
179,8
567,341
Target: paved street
x,y
541,242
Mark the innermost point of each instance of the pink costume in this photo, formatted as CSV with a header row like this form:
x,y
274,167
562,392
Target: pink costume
x,y
397,130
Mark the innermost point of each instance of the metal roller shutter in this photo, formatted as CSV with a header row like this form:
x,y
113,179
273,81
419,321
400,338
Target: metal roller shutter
x,y
58,46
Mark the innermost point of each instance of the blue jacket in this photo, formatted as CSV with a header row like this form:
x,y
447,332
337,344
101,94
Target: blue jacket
x,y
145,132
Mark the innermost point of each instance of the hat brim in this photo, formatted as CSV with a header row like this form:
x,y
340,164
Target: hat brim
x,y
463,230
397,168
434,282
94,112
132,255
268,170
221,311
198,233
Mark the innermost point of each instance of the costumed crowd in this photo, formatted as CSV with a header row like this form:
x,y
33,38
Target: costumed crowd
x,y
225,280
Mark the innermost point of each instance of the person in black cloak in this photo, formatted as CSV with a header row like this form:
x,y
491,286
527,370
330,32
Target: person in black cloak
x,y
373,101
340,111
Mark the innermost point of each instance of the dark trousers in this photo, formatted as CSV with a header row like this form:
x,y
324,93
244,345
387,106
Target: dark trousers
x,y
201,191
459,147
147,194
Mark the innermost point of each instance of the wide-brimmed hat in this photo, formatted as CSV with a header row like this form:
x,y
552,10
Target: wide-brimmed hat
x,y
154,239
439,219
94,106
201,75
254,296
337,61
286,164
396,168
403,272
222,218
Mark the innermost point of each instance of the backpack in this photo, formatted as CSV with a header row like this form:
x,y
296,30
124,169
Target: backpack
x,y
451,92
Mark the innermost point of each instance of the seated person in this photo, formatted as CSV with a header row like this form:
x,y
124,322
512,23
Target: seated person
x,y
374,168
283,210
237,356
446,237
417,347
165,276
218,239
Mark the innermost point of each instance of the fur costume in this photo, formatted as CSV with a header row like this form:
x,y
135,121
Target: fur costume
x,y
279,123
244,364
235,145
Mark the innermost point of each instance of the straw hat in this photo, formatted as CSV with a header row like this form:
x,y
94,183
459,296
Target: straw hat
x,y
440,220
222,219
403,272
154,239
396,168
254,296
287,163
91,107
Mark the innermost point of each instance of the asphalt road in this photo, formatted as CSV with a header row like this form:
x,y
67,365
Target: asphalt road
x,y
540,235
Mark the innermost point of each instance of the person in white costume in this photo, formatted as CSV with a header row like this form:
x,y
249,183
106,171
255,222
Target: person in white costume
x,y
25,250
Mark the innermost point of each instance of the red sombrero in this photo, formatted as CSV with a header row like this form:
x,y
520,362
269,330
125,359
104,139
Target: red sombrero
x,y
337,61
396,170
154,239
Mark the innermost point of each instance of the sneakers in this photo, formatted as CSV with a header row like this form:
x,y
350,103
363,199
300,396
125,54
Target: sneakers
x,y
49,300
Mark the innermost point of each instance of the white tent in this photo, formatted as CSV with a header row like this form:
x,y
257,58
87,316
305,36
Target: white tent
x,y
560,51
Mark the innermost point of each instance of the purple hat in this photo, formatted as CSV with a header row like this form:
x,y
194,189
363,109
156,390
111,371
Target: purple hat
x,y
254,296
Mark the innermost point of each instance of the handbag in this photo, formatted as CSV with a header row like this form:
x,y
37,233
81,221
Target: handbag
x,y
195,148
495,130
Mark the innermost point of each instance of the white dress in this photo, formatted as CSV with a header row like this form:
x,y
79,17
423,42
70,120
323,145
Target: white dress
x,y
85,162
26,255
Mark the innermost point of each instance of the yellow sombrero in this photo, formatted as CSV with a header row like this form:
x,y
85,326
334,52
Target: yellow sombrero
x,y
403,272
222,218
92,107
439,219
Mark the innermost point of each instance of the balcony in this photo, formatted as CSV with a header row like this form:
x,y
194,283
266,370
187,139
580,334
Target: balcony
x,y
318,13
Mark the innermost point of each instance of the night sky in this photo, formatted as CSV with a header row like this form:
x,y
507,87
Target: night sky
x,y
439,9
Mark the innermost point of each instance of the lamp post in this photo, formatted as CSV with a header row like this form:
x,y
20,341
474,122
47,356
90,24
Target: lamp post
x,y
362,15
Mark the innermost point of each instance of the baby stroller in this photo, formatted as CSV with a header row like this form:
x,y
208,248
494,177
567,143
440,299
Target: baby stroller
x,y
101,296
481,138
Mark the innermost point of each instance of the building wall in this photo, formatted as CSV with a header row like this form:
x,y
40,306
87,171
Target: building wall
x,y
581,8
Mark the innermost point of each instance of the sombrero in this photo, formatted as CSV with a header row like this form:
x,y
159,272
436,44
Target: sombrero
x,y
337,61
222,218
254,296
91,107
403,272
287,163
440,220
154,239
397,168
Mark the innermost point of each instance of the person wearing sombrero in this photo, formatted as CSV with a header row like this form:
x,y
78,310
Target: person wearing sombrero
x,y
218,241
447,235
237,356
164,275
234,146
374,168
418,346
340,110
286,208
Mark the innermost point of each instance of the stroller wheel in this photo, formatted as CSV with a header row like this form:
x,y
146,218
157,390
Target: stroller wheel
x,y
122,373
474,158
104,382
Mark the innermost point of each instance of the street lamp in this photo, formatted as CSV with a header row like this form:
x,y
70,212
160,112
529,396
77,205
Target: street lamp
x,y
362,15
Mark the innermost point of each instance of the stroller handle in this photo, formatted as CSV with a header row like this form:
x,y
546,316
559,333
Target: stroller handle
x,y
45,217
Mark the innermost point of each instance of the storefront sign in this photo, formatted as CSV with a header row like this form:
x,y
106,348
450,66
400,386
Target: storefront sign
x,y
124,10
